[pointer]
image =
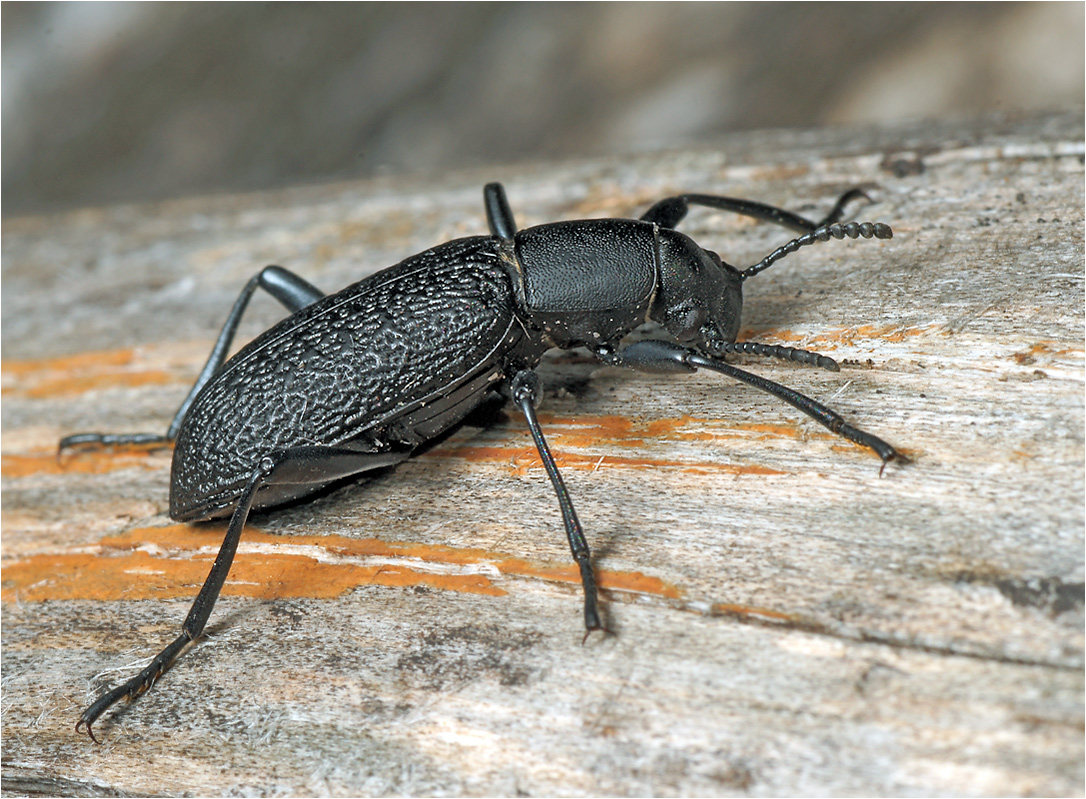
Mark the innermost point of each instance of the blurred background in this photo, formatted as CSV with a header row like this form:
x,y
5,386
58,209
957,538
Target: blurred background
x,y
118,102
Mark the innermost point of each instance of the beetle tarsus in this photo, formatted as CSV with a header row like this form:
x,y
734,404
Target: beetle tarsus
x,y
135,687
885,451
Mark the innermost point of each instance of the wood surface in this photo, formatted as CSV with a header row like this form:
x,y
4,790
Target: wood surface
x,y
784,620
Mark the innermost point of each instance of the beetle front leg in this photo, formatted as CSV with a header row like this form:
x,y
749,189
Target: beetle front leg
x,y
292,291
525,391
664,356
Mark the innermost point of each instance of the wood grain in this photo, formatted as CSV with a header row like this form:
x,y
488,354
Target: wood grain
x,y
785,621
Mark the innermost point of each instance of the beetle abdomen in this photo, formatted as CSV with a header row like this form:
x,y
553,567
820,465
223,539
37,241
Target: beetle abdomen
x,y
345,369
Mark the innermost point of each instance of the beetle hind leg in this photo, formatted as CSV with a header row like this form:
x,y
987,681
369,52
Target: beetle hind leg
x,y
292,291
298,465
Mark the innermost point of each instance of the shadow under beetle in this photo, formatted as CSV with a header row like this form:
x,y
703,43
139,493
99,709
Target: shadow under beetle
x,y
357,380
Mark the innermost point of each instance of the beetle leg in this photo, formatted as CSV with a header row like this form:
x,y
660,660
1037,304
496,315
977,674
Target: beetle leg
x,y
198,615
525,391
671,210
292,291
499,216
838,210
290,466
664,356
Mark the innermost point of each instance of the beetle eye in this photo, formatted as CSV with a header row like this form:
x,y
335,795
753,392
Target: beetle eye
x,y
715,257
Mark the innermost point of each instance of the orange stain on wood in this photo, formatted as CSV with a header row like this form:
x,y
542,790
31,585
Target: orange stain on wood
x,y
845,336
76,374
173,562
1042,349
614,581
779,430
83,361
524,458
97,461
565,431
589,431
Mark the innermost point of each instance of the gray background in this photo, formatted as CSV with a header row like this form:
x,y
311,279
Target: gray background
x,y
108,102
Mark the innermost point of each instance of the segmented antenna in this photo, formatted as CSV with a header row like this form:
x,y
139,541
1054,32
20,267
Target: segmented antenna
x,y
777,351
852,230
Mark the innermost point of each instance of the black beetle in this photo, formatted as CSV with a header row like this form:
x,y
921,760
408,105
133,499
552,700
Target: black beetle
x,y
357,380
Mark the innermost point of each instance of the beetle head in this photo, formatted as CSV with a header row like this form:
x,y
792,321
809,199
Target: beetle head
x,y
699,298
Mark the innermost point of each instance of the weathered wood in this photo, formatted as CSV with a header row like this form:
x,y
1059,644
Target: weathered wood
x,y
786,622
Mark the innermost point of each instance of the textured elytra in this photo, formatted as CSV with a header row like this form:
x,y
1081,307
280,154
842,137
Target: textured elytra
x,y
345,368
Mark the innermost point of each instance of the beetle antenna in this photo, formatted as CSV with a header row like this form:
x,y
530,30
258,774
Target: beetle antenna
x,y
852,230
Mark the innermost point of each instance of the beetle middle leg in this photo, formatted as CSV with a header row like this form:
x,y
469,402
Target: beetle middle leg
x,y
292,291
298,465
525,391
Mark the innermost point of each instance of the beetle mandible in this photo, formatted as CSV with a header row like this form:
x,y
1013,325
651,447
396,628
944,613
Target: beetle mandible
x,y
356,381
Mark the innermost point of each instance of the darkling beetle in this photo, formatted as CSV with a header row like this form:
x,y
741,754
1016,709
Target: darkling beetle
x,y
356,381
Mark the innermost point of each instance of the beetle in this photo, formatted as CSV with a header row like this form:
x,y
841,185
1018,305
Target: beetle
x,y
358,380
